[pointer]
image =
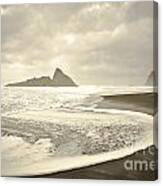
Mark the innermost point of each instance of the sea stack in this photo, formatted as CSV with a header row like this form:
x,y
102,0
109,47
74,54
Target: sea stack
x,y
151,80
59,79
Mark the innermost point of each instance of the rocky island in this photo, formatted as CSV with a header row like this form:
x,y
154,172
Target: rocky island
x,y
59,79
151,80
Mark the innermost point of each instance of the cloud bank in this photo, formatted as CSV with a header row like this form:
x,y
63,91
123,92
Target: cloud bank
x,y
95,43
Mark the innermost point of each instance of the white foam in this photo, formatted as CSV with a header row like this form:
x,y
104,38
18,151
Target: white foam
x,y
53,116
22,158
45,164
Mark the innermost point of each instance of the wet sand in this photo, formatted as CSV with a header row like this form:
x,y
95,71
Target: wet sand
x,y
143,102
112,170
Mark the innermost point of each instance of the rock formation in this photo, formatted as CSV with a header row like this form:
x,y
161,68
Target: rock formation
x,y
59,79
151,80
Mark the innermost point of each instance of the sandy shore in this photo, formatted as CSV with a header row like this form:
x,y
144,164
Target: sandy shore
x,y
144,102
144,160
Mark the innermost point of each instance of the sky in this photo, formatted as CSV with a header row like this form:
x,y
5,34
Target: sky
x,y
108,43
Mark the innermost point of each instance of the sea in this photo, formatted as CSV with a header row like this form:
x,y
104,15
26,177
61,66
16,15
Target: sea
x,y
52,129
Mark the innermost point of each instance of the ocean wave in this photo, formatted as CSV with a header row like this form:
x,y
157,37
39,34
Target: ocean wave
x,y
55,129
66,136
56,99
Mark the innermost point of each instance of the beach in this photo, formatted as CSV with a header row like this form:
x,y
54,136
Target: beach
x,y
115,169
112,170
144,102
90,130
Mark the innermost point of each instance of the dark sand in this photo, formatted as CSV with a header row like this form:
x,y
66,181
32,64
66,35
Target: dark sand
x,y
111,170
115,170
144,102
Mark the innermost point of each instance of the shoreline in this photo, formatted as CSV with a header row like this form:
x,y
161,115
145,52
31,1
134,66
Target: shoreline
x,y
110,170
114,169
140,102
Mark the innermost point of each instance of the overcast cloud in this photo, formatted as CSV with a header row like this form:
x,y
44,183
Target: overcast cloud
x,y
95,43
